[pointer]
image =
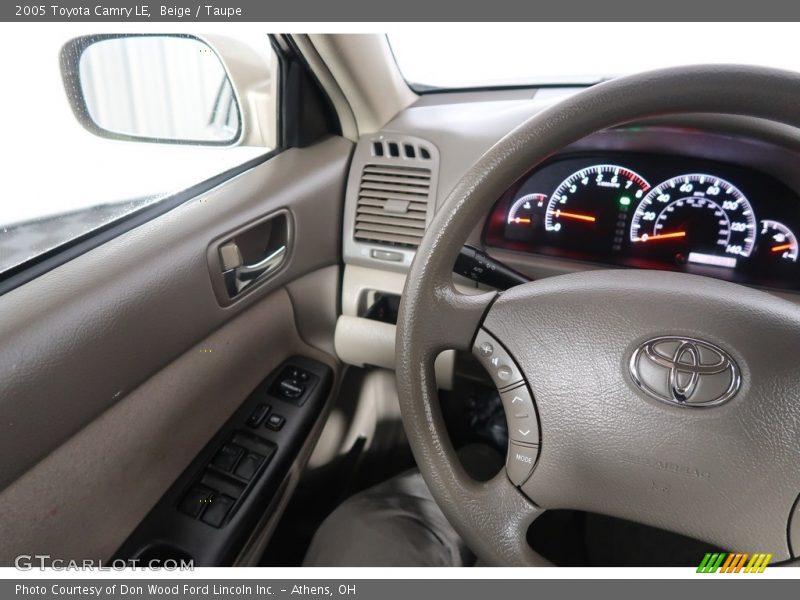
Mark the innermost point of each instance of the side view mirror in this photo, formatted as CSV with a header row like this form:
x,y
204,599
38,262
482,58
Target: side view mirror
x,y
154,88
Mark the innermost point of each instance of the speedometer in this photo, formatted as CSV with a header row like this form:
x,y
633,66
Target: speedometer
x,y
696,218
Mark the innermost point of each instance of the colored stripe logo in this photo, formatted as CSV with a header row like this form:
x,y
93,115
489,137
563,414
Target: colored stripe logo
x,y
737,562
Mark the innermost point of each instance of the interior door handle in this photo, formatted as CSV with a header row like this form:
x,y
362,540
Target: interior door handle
x,y
246,258
239,277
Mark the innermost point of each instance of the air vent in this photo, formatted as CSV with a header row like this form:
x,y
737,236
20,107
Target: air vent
x,y
392,205
392,149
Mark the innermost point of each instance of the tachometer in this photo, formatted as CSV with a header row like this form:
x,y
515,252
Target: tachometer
x,y
696,218
595,199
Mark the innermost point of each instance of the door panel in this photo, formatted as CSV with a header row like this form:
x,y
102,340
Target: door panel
x,y
87,496
102,361
316,312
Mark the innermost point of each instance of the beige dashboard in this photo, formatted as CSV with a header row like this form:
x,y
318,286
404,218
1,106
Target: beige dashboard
x,y
402,175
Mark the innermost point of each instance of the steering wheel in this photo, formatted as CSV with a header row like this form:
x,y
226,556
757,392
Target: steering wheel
x,y
668,399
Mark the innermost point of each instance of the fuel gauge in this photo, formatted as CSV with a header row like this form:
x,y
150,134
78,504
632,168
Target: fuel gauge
x,y
777,241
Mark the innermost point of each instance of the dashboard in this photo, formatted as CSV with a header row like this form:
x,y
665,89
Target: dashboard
x,y
726,187
654,211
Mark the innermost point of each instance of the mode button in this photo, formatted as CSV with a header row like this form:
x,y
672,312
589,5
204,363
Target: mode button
x,y
520,461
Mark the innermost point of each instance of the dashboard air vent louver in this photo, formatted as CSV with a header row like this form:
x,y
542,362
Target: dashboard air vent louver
x,y
390,149
392,204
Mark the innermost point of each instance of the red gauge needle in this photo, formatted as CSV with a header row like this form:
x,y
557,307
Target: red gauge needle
x,y
568,215
781,248
661,236
520,220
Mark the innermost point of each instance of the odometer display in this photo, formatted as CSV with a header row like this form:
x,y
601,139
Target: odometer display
x,y
695,216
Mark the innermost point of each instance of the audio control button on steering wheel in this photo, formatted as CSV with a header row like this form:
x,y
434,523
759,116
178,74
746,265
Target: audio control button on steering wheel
x,y
520,409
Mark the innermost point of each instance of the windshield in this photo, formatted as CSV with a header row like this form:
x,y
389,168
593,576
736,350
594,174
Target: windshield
x,y
581,53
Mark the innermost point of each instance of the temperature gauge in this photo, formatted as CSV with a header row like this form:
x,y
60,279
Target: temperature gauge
x,y
525,218
527,210
777,241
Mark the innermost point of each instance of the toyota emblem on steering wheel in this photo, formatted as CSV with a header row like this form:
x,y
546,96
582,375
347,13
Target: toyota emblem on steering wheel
x,y
685,371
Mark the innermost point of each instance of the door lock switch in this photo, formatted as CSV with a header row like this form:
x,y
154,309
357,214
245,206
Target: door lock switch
x,y
257,416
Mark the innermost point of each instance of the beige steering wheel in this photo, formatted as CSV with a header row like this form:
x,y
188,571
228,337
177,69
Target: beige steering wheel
x,y
728,474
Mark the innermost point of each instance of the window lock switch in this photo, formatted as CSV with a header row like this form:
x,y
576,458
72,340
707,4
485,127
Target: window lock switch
x,y
275,422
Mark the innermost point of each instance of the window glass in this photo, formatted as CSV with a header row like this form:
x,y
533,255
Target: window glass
x,y
62,181
581,53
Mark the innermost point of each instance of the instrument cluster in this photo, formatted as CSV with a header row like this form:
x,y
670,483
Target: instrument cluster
x,y
652,211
